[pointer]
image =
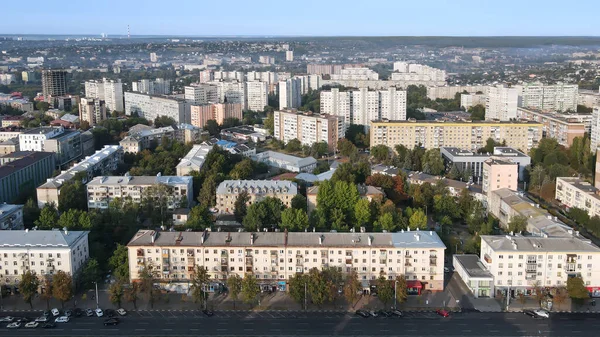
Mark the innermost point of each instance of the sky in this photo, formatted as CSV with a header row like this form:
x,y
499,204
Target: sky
x,y
303,17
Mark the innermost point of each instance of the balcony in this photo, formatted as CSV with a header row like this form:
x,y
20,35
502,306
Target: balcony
x,y
223,269
140,262
224,253
249,260
299,262
224,262
487,258
433,261
570,267
165,255
382,261
348,262
407,263
140,252
191,262
249,269
274,271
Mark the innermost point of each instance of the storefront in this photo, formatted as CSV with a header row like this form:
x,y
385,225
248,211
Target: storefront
x,y
281,286
414,287
594,291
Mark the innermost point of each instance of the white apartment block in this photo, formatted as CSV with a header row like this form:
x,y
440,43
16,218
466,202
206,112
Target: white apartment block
x,y
229,190
104,161
266,59
576,192
34,139
448,92
11,217
289,55
595,130
556,97
101,191
363,106
518,263
193,160
110,91
274,257
414,73
158,87
151,107
308,128
469,100
356,74
92,110
43,252
588,98
290,93
219,75
201,94
501,103
256,95
231,92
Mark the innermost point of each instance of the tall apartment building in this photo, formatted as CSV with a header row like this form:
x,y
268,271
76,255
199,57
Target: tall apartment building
x,y
356,74
25,173
151,107
562,127
159,86
110,91
92,110
362,106
289,55
501,103
201,114
410,72
54,83
229,190
11,217
588,98
469,100
43,252
230,92
290,93
103,162
465,135
274,257
328,69
220,75
101,191
595,130
153,58
556,97
308,128
256,95
448,92
201,94
266,59
65,143
499,173
206,75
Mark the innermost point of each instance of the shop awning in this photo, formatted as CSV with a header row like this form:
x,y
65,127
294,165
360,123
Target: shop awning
x,y
414,284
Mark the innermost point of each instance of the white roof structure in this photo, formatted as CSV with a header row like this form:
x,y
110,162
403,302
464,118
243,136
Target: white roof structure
x,y
40,238
194,159
140,180
281,186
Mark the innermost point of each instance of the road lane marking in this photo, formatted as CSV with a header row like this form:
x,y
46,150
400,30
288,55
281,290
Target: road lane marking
x,y
167,329
81,329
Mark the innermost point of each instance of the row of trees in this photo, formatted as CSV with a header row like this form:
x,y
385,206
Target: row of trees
x,y
415,159
59,286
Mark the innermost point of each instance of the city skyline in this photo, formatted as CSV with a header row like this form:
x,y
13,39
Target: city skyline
x,y
386,18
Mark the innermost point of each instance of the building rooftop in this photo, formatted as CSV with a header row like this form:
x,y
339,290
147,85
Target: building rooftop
x,y
412,239
8,208
461,122
499,161
139,180
44,130
40,238
284,186
508,152
292,160
29,158
472,266
195,157
507,243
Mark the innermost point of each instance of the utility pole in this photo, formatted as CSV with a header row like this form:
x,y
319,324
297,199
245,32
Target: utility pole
x,y
304,296
395,294
97,303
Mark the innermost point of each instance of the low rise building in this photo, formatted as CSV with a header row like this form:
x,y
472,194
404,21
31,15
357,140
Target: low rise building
x,y
11,217
8,121
25,173
219,112
364,191
274,257
43,252
102,162
499,173
470,100
9,146
193,160
576,192
243,133
466,160
65,143
477,278
563,127
101,191
286,161
455,187
229,190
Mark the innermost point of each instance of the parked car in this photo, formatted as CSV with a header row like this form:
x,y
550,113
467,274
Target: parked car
x,y
121,312
542,313
446,270
530,313
62,319
373,313
208,313
32,325
89,312
99,312
443,313
55,312
42,319
47,313
22,320
49,325
68,312
109,313
14,325
384,313
397,313
363,313
111,321
77,312
7,319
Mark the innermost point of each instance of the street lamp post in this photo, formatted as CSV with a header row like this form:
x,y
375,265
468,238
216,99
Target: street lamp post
x,y
97,303
395,294
305,296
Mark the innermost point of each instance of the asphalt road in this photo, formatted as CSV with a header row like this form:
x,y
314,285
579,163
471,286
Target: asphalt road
x,y
147,323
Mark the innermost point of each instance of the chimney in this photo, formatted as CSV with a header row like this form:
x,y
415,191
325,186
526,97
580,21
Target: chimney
x,y
251,238
370,239
66,231
417,237
321,239
286,236
153,236
26,230
363,230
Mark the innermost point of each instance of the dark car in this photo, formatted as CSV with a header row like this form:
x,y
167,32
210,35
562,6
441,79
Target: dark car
x,y
530,313
68,312
23,320
77,312
47,313
363,314
49,325
384,313
112,321
397,313
109,313
207,312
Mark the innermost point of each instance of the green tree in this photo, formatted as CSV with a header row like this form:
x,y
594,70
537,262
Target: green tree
x,y
333,277
352,288
317,287
477,112
31,212
163,121
386,222
240,206
116,293
46,293
385,290
362,212
319,149
207,195
48,217
270,123
401,289
132,294
577,290
28,286
73,195
147,276
299,202
119,263
417,220
199,284
212,127
346,148
380,152
517,224
90,273
250,289
579,215
380,180
560,296
294,219
433,162
42,106
445,205
68,219
234,283
62,287
199,218
298,287
293,145
266,212
242,170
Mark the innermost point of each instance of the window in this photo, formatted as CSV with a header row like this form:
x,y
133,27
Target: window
x,y
500,256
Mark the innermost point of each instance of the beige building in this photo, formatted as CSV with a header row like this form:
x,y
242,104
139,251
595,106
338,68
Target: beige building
x,y
274,257
229,190
9,146
201,114
308,128
366,192
92,110
562,127
499,173
576,192
465,135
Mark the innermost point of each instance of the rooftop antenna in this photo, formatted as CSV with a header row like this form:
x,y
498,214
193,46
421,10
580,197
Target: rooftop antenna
x,y
128,32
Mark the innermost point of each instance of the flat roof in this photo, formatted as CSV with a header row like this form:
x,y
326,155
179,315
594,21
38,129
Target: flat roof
x,y
29,159
507,243
40,238
457,122
471,264
139,180
296,161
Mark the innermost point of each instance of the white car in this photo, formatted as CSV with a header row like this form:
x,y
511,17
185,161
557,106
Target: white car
x,y
62,319
42,319
99,312
32,325
121,312
7,319
446,270
542,313
55,312
14,325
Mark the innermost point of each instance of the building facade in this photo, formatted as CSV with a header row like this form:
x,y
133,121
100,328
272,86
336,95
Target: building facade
x,y
499,173
290,93
286,161
219,112
151,107
308,128
470,100
11,217
25,174
274,257
92,110
556,97
229,190
562,127
466,160
576,192
256,95
501,103
465,135
193,160
159,86
54,83
110,91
